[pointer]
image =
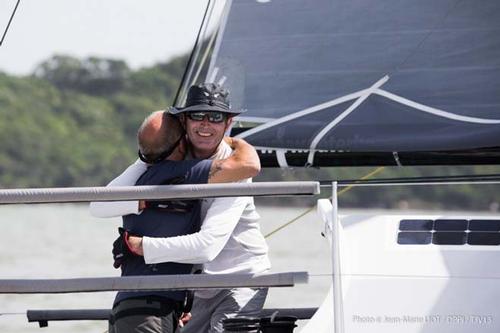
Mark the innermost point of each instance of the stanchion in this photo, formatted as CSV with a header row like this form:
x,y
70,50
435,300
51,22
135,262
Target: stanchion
x,y
242,324
273,324
278,324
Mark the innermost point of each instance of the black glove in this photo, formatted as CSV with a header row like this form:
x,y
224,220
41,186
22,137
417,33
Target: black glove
x,y
121,248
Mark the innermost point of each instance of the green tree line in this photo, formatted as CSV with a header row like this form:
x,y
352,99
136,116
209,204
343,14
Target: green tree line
x,y
73,122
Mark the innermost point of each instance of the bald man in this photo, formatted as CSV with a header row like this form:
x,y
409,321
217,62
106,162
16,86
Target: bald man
x,y
162,145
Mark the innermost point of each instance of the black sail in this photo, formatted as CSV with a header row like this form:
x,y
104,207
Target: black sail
x,y
363,82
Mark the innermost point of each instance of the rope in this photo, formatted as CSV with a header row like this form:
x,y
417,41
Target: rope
x,y
371,174
10,21
191,57
289,222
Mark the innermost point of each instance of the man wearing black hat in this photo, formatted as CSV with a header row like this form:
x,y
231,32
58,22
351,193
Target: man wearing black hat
x,y
206,117
230,240
162,146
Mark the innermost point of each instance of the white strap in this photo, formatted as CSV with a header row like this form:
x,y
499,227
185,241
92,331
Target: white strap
x,y
434,111
213,75
301,113
281,158
336,121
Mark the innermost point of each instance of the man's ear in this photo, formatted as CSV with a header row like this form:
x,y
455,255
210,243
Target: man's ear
x,y
229,122
182,146
182,120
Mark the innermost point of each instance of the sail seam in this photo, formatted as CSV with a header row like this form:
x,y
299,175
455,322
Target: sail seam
x,y
254,119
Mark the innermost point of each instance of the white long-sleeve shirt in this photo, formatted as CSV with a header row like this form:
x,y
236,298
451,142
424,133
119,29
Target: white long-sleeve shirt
x,y
229,240
119,208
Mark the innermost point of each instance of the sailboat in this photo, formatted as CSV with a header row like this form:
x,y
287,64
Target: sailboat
x,y
350,83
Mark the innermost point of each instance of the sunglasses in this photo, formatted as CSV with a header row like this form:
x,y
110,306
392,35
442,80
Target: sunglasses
x,y
158,158
213,116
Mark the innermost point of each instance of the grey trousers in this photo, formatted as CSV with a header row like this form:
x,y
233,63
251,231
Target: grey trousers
x,y
208,313
142,316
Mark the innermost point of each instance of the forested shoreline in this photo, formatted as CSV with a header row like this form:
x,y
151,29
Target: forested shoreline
x,y
73,122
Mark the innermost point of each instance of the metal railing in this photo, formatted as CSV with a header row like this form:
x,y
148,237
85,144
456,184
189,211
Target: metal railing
x,y
150,283
158,192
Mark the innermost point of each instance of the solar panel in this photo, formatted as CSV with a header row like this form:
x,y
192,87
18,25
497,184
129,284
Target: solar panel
x,y
449,232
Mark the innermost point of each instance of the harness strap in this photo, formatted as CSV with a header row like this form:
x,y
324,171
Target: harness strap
x,y
188,300
137,312
173,206
166,306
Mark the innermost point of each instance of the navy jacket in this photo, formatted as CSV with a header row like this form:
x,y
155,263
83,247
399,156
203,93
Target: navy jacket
x,y
159,222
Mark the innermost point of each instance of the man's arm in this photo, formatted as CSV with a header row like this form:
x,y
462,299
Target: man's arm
x,y
200,247
243,163
120,208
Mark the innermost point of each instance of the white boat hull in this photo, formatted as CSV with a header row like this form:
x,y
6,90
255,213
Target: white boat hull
x,y
390,287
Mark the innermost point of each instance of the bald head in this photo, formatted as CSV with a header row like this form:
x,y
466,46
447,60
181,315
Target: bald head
x,y
158,133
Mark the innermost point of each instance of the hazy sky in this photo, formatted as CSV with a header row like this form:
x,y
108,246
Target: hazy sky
x,y
140,32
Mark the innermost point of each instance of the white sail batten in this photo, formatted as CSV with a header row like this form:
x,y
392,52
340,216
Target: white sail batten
x,y
299,114
337,120
150,283
158,192
437,112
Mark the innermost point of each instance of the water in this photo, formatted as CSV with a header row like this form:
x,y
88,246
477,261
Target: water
x,y
64,241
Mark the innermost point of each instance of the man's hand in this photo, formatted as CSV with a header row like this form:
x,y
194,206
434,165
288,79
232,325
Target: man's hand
x,y
135,244
125,246
229,141
185,317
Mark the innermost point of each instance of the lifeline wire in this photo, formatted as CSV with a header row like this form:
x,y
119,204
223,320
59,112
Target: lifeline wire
x,y
8,24
465,179
406,276
371,174
466,277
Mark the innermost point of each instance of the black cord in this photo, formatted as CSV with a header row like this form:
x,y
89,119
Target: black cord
x,y
191,56
438,179
8,24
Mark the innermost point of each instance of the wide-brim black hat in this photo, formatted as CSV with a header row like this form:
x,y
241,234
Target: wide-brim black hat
x,y
206,97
